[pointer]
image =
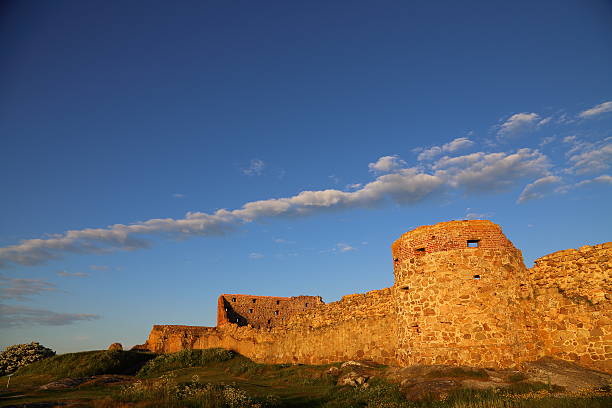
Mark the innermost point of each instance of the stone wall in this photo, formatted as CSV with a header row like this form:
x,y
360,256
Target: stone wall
x,y
337,331
572,305
261,311
462,296
458,304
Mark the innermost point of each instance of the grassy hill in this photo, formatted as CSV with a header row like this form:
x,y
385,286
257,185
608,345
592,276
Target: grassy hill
x,y
217,378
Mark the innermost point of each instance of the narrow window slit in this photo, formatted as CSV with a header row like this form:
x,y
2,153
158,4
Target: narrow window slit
x,y
473,243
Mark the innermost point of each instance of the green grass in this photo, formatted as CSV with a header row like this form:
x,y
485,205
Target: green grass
x,y
184,359
205,378
86,364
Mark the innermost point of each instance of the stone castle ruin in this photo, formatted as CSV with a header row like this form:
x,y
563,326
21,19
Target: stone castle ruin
x,y
462,296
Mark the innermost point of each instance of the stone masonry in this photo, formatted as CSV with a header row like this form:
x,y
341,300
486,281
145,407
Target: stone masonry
x,y
262,311
462,296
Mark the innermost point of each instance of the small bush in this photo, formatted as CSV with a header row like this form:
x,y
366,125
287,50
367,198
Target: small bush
x,y
184,359
21,355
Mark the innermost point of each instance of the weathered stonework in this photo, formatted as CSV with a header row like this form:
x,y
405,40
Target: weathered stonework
x,y
462,296
261,311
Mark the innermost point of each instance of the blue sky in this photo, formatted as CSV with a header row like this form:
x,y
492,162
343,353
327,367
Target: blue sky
x,y
157,155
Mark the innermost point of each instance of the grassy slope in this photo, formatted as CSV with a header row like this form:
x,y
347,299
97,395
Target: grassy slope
x,y
297,386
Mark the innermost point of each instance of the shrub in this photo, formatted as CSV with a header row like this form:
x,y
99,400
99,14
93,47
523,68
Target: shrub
x,y
20,355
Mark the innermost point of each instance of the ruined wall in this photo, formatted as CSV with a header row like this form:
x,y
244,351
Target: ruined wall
x,y
462,296
458,304
337,331
261,311
573,289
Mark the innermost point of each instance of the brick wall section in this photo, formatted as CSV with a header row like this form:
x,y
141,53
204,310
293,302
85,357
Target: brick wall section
x,y
447,236
450,304
337,331
261,311
572,305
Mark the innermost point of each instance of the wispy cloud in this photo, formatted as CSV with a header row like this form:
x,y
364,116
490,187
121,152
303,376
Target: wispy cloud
x,y
539,188
22,289
283,241
480,172
343,247
387,164
597,110
73,274
588,157
519,123
255,255
99,267
486,172
16,316
178,195
450,147
255,168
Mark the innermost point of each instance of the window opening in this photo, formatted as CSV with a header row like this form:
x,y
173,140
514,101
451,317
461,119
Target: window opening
x,y
405,288
233,299
254,300
306,304
476,276
276,312
473,243
420,249
250,310
278,302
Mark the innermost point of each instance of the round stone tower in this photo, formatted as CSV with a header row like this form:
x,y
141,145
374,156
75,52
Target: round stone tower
x,y
458,291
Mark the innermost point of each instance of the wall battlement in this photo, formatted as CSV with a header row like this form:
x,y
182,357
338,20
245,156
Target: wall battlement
x,y
462,296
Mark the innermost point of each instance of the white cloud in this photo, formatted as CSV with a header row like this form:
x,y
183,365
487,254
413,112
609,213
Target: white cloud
x,y
538,189
547,140
21,289
603,179
604,107
342,247
15,316
406,186
353,186
178,195
255,168
545,121
471,215
255,255
75,274
588,157
98,267
476,172
450,147
387,164
487,172
569,139
517,124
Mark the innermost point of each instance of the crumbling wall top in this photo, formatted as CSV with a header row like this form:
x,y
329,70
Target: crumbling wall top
x,y
261,311
450,235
